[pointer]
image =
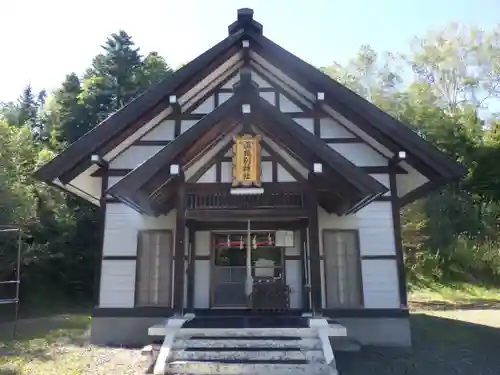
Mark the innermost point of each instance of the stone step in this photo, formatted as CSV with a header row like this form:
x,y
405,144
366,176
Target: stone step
x,y
161,330
247,368
274,355
308,343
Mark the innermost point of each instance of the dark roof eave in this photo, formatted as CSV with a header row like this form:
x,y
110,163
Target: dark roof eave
x,y
91,141
383,122
362,181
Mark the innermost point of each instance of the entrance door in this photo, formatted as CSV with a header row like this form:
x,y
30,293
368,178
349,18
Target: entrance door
x,y
229,277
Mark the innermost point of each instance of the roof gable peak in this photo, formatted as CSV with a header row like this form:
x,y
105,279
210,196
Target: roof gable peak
x,y
245,22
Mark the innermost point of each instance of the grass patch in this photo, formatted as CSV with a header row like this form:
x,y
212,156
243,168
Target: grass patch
x,y
457,295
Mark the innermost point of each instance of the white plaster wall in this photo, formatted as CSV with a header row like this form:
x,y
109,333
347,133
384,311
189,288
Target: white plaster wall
x,y
408,182
133,156
266,171
360,154
269,96
284,175
376,237
120,239
209,176
306,123
164,131
257,78
187,124
224,96
329,128
206,107
87,183
117,283
202,272
286,105
293,273
383,178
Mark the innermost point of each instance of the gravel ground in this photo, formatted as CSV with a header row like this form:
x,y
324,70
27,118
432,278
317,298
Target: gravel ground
x,y
445,343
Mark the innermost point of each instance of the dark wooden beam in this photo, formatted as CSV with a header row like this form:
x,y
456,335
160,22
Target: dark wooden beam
x,y
210,163
303,257
102,229
243,214
179,249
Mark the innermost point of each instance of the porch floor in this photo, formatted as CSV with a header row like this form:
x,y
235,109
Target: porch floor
x,y
247,321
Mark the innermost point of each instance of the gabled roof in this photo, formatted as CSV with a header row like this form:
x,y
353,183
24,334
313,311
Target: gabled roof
x,y
378,125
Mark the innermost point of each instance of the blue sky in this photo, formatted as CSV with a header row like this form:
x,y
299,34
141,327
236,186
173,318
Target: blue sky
x,y
45,40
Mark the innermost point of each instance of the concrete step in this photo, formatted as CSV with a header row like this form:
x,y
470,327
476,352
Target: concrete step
x,y
247,368
267,355
161,330
306,344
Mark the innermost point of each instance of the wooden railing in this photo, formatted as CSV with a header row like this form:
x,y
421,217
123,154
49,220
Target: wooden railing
x,y
218,197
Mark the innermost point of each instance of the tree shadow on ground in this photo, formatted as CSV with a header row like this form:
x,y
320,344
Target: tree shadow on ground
x,y
471,304
440,346
7,371
34,336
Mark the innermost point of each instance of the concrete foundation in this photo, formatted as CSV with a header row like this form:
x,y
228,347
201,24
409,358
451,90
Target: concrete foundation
x,y
122,331
133,331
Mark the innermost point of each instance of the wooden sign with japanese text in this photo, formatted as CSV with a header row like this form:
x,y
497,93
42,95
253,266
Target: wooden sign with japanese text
x,y
246,160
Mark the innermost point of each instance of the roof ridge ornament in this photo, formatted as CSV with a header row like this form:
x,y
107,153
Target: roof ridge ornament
x,y
245,22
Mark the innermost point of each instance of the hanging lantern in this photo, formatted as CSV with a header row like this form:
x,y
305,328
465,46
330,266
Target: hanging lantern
x,y
241,243
254,242
228,241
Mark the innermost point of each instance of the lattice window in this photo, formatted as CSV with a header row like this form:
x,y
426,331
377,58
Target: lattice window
x,y
342,269
154,268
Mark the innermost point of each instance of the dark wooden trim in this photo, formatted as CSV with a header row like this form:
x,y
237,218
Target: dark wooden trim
x,y
179,249
277,101
112,172
393,134
202,257
358,256
422,191
292,257
278,159
191,269
125,121
398,240
146,172
230,158
177,126
363,182
366,313
112,200
383,198
218,157
261,89
151,142
98,255
378,257
384,169
165,312
343,140
242,225
315,264
274,171
317,122
119,257
245,214
138,311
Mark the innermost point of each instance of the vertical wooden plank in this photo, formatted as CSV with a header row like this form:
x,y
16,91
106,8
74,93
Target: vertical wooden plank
x,y
179,261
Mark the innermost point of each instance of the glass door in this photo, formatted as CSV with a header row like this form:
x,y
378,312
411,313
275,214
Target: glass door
x,y
228,275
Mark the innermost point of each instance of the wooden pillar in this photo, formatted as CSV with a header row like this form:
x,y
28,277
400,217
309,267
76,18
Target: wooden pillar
x,y
190,268
102,230
303,259
398,241
314,257
179,248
